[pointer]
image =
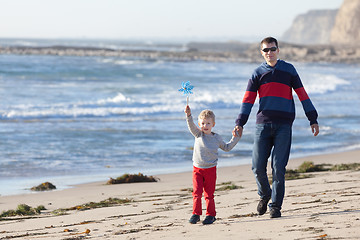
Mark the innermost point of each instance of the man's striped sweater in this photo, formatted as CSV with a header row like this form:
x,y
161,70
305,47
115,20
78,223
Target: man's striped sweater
x,y
276,104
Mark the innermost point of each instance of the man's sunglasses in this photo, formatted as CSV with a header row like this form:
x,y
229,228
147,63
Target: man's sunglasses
x,y
273,49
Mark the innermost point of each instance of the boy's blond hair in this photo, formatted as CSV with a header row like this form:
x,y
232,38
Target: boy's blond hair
x,y
207,114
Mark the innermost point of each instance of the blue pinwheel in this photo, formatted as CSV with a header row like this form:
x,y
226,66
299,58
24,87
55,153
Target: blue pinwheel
x,y
186,88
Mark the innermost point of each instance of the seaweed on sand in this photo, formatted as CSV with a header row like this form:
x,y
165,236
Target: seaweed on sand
x,y
105,203
132,178
46,186
310,167
92,205
23,210
228,186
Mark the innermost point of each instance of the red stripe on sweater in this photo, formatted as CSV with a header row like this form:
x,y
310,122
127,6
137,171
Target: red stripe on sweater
x,y
249,97
275,89
301,94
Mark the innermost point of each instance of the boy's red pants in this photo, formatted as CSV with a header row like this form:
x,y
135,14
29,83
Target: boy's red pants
x,y
204,179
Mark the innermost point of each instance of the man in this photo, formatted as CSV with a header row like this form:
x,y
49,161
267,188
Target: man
x,y
274,81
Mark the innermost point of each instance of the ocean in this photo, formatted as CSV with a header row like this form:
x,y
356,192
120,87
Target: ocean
x,y
78,119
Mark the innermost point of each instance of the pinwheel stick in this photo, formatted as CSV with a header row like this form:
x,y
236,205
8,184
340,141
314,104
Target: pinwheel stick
x,y
187,100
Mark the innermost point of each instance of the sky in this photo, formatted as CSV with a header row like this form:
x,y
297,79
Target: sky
x,y
152,19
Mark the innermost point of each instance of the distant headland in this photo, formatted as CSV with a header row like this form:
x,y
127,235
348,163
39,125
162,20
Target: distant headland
x,y
205,51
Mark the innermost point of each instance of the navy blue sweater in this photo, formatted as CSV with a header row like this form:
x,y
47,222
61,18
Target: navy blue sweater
x,y
276,104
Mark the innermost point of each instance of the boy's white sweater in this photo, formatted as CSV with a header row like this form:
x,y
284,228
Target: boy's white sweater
x,y
206,146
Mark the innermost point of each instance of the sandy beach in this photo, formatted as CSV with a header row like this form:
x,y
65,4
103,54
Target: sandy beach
x,y
323,206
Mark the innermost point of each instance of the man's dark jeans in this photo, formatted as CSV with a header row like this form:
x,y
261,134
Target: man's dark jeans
x,y
274,139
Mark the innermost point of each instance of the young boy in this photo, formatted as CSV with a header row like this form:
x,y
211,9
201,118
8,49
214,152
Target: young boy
x,y
205,157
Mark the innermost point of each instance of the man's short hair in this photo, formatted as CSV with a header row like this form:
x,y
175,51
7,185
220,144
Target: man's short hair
x,y
269,40
207,114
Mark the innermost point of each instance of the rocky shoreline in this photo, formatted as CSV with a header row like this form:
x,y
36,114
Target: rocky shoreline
x,y
215,52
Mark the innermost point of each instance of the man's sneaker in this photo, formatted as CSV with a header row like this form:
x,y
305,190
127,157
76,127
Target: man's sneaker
x,y
194,219
275,213
262,206
209,220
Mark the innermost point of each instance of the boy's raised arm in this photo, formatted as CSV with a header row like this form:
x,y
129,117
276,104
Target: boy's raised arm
x,y
190,122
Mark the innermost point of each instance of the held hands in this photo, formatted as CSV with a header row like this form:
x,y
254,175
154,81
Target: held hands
x,y
187,110
237,132
315,129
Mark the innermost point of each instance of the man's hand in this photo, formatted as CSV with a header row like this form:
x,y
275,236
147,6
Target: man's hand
x,y
237,132
315,129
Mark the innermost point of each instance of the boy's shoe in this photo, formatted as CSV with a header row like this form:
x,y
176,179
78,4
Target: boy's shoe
x,y
209,220
275,213
262,206
194,219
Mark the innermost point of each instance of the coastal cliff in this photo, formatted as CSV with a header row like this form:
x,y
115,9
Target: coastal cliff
x,y
337,27
313,27
347,24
